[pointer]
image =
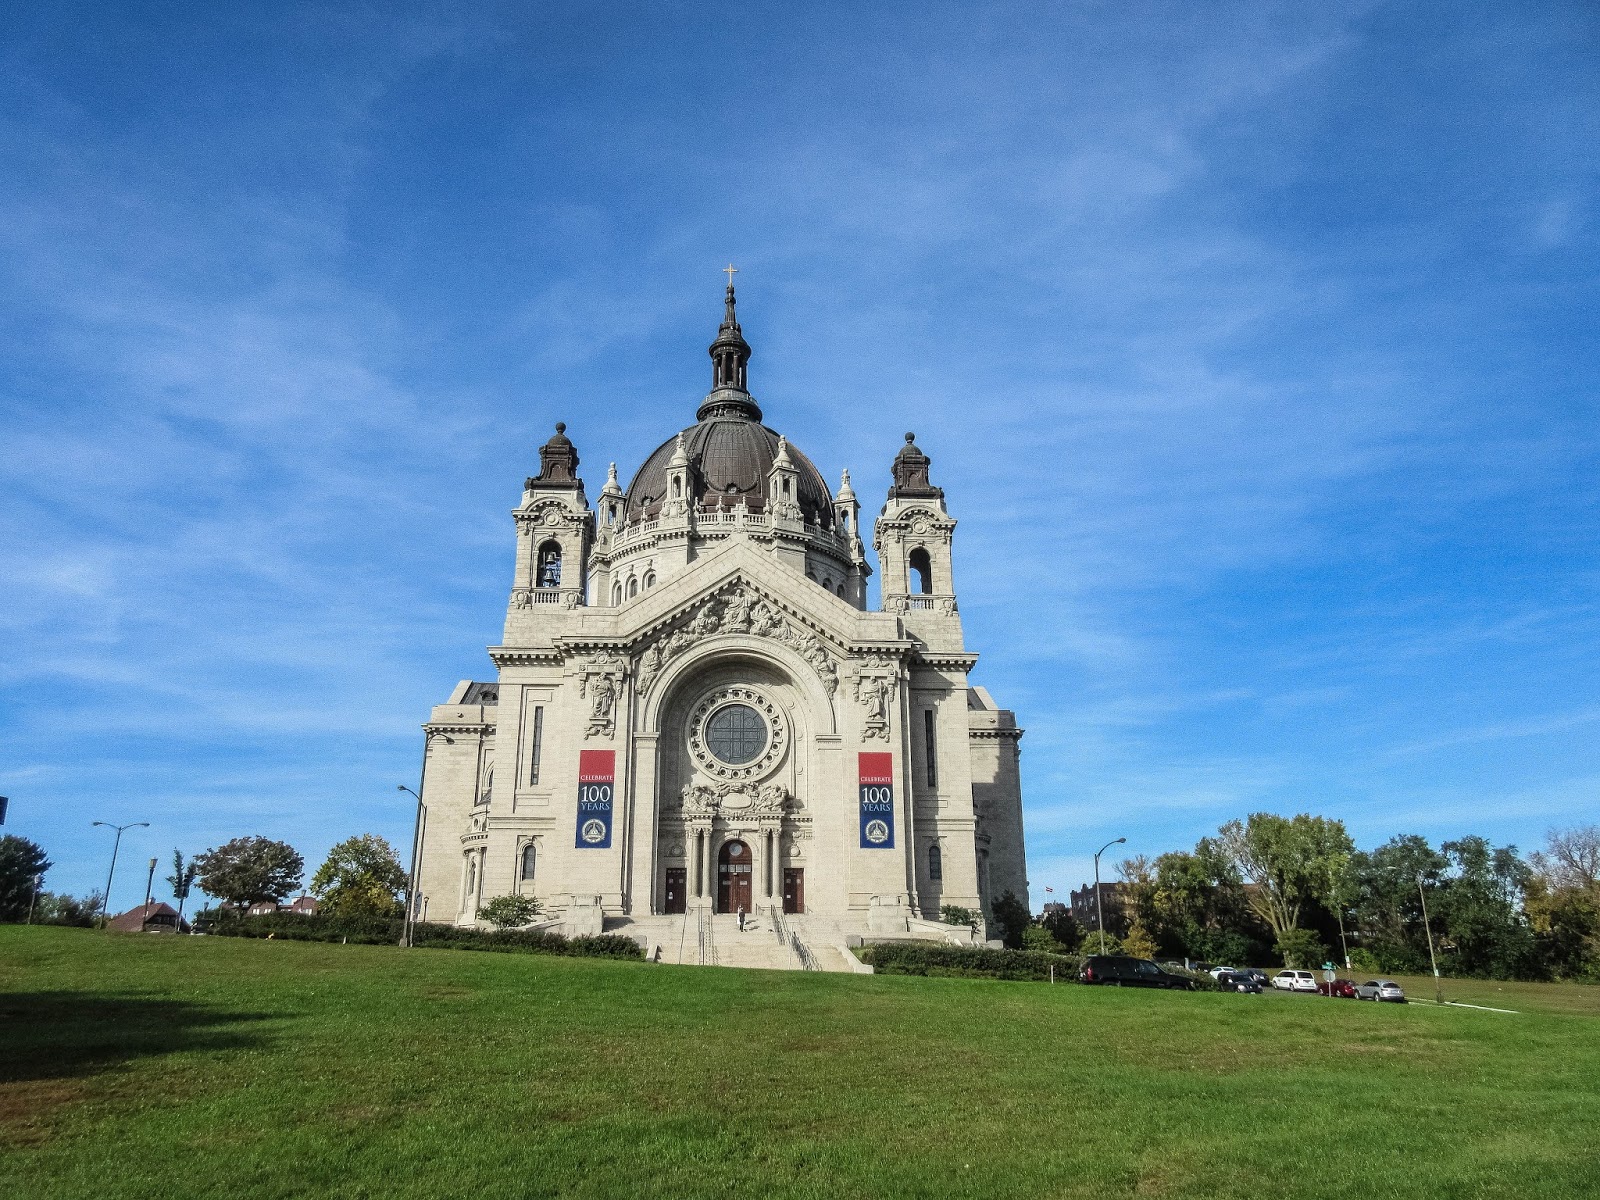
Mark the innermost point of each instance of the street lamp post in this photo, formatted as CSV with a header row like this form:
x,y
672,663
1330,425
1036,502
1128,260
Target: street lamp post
x,y
1438,985
1099,908
144,913
409,928
38,880
411,881
105,900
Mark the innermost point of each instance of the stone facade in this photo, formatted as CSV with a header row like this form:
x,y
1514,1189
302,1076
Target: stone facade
x,y
695,710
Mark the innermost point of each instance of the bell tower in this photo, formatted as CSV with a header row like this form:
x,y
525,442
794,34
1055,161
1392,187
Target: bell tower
x,y
555,530
913,538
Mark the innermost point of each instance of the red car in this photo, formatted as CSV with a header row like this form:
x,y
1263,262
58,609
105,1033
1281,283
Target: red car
x,y
1340,989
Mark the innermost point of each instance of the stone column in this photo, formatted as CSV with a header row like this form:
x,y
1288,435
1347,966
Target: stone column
x,y
641,869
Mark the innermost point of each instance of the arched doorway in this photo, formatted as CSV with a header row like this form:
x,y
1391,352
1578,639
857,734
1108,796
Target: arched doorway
x,y
734,877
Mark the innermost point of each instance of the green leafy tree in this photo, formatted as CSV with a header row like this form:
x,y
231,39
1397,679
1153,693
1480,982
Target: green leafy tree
x,y
1288,860
1064,928
250,870
1301,948
1198,908
1037,937
1481,910
182,880
361,877
1387,905
68,910
21,863
509,912
1012,916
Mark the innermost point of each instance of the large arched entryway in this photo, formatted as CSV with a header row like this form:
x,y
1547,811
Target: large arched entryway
x,y
735,878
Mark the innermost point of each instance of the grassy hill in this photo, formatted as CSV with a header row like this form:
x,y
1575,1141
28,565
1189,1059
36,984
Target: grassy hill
x,y
171,1067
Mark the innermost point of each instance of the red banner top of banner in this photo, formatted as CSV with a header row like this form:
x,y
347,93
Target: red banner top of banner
x,y
876,767
597,766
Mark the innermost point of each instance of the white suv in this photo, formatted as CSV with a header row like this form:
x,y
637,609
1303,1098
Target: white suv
x,y
1295,981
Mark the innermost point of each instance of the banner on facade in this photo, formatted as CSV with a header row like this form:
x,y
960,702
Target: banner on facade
x,y
597,778
877,801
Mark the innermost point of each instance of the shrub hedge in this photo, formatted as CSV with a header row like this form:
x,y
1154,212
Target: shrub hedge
x,y
376,931
968,962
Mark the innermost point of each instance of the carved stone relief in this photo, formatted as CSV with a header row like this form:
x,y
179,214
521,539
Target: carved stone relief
x,y
741,611
600,683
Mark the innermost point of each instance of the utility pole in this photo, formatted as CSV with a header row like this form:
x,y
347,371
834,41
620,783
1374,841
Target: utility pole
x,y
1438,986
34,899
144,913
1099,908
105,900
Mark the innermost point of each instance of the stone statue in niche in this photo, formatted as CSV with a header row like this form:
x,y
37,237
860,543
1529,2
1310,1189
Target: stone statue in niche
x,y
600,682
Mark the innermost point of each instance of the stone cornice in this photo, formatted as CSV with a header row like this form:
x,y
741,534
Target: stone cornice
x,y
481,728
947,660
996,734
519,656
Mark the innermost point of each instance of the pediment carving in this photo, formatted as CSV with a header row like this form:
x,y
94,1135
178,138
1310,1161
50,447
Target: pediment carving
x,y
739,609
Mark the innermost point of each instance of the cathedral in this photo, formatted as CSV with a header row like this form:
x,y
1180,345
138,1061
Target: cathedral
x,y
698,727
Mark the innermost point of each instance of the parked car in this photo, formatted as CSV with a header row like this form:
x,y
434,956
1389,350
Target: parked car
x,y
1295,981
1121,971
1380,989
1342,989
1257,974
1238,981
1215,971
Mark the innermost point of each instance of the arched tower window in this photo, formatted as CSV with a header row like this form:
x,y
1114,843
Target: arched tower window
x,y
935,863
921,571
616,595
677,488
633,588
649,581
530,854
549,565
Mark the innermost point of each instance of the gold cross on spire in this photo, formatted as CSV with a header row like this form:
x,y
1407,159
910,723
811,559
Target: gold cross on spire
x,y
730,271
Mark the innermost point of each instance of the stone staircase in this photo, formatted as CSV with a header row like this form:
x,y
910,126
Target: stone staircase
x,y
703,938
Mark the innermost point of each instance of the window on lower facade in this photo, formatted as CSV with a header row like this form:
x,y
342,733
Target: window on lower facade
x,y
930,747
935,863
530,854
536,745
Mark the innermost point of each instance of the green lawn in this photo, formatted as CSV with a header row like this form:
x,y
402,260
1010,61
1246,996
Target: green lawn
x,y
175,1067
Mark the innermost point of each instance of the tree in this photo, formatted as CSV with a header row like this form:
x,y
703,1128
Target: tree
x,y
1571,858
1012,916
182,880
1289,860
21,864
68,910
1064,928
1301,948
1198,909
509,912
362,876
1038,938
1388,907
1481,909
250,870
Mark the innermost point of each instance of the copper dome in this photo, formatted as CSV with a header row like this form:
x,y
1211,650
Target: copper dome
x,y
730,455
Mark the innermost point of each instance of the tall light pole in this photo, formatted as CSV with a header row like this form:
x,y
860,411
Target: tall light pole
x,y
115,846
144,913
1438,985
409,928
1099,908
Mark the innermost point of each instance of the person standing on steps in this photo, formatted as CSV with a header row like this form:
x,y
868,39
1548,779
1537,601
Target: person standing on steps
x,y
741,918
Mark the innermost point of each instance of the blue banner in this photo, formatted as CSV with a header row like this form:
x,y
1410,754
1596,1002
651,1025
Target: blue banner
x,y
877,800
597,777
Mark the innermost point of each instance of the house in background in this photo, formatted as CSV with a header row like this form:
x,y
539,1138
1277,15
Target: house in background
x,y
154,917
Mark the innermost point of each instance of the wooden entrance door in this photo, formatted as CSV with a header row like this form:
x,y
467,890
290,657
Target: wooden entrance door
x,y
677,889
794,889
734,877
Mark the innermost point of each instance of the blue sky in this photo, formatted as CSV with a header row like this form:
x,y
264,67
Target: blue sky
x,y
1253,345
